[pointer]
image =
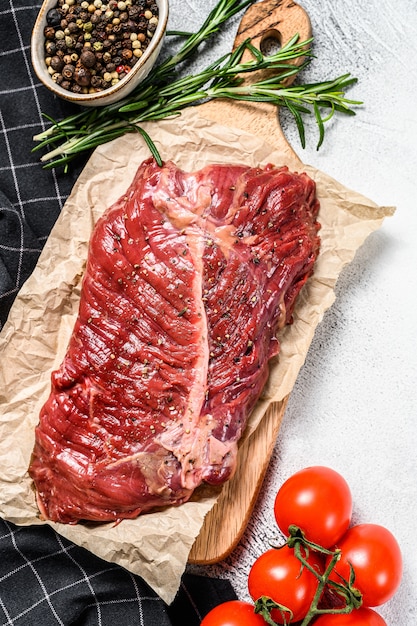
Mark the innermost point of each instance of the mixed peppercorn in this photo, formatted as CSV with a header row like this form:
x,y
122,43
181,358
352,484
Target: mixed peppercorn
x,y
91,45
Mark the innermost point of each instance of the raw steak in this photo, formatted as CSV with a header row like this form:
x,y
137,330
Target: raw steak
x,y
189,277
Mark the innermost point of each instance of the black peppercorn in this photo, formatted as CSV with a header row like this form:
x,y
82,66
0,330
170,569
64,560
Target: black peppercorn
x,y
68,71
61,45
134,12
57,63
53,17
131,26
73,28
82,76
96,82
50,47
88,58
49,32
127,54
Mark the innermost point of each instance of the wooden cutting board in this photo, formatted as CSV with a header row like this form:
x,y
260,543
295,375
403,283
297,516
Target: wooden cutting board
x,y
267,23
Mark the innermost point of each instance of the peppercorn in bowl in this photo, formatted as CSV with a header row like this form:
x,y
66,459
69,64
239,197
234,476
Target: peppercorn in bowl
x,y
95,52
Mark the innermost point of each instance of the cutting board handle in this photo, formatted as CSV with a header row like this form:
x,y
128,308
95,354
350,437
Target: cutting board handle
x,y
267,20
275,22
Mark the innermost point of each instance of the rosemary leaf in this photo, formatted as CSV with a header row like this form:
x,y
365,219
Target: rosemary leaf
x,y
150,144
320,124
298,120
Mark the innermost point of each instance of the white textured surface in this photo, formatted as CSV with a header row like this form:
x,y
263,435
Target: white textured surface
x,y
354,405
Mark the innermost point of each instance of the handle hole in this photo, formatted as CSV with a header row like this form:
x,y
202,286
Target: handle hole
x,y
271,42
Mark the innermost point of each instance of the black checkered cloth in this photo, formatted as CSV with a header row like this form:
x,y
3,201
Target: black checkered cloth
x,y
45,579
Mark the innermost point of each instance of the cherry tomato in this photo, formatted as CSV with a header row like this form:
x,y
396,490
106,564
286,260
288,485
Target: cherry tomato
x,y
233,613
318,500
278,574
358,617
376,558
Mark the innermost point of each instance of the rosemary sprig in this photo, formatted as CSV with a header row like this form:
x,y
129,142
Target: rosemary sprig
x,y
164,93
222,12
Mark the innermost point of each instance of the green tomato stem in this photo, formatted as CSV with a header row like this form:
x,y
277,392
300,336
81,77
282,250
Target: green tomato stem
x,y
351,597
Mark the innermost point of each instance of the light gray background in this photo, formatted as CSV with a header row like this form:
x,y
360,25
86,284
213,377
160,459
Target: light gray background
x,y
354,405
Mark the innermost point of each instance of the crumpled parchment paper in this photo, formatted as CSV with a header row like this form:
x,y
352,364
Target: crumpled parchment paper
x,y
156,545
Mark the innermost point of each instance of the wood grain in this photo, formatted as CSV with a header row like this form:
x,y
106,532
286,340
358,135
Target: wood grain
x,y
226,522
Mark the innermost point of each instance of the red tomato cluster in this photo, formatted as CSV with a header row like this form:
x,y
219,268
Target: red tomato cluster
x,y
318,501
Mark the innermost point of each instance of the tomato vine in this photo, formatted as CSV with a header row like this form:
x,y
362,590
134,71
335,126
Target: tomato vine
x,y
345,590
308,579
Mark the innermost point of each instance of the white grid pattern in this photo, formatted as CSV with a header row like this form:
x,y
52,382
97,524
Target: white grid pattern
x,y
45,579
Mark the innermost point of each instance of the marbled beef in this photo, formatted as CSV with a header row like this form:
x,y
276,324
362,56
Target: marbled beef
x,y
189,277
